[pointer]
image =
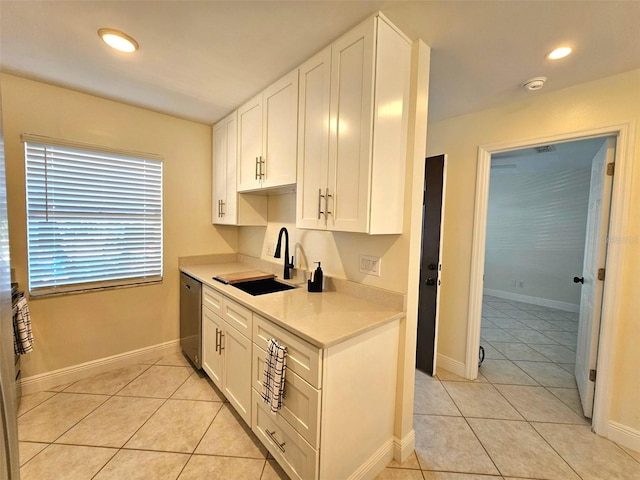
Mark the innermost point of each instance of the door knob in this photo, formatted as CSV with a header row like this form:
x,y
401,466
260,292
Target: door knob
x,y
430,281
578,279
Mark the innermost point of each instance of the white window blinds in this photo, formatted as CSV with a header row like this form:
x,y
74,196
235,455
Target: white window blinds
x,y
94,219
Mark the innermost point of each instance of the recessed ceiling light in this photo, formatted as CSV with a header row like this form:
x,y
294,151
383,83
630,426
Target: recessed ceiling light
x,y
559,52
118,40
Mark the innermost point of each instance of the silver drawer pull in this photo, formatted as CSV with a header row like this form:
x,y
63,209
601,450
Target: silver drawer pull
x,y
320,197
271,435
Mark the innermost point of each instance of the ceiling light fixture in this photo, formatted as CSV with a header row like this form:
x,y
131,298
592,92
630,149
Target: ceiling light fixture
x,y
118,40
559,53
534,84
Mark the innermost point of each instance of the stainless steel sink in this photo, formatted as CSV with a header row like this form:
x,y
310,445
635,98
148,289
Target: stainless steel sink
x,y
263,286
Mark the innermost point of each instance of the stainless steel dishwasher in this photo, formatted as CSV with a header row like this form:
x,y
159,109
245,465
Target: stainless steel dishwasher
x,y
190,318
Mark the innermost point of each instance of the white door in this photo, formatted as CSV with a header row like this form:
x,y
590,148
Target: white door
x,y
212,359
352,70
594,259
250,144
280,123
219,170
230,205
237,371
313,141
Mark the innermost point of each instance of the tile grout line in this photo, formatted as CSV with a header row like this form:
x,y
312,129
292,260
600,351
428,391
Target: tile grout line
x,y
535,430
470,428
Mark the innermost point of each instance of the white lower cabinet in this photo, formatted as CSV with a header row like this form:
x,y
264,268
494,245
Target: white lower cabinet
x,y
237,368
226,352
212,325
287,446
301,407
338,410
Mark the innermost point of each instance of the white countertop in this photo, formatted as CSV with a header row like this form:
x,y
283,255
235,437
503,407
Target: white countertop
x,y
323,319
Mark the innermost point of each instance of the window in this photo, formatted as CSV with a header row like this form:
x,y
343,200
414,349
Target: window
x,y
94,217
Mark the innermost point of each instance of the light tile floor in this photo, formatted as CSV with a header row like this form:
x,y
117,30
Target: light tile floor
x,y
160,420
521,419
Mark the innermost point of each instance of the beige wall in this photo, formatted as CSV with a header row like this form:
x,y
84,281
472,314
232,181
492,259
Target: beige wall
x,y
339,252
606,102
73,329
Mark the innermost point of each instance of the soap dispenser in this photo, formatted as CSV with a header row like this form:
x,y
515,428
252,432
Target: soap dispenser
x,y
315,283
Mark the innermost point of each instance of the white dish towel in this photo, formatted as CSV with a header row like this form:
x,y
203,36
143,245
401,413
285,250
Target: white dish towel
x,y
275,366
22,335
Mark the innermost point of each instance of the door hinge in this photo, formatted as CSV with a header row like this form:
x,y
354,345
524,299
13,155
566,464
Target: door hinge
x,y
611,168
601,274
592,375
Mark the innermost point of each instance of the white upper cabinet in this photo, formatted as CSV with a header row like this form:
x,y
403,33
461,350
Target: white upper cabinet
x,y
230,208
267,132
352,147
224,170
313,141
250,146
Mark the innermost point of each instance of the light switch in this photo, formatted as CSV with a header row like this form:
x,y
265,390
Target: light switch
x,y
370,265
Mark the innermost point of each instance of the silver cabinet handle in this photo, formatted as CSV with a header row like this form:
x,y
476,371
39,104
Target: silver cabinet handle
x,y
326,203
320,197
271,435
222,205
263,172
221,339
257,165
217,341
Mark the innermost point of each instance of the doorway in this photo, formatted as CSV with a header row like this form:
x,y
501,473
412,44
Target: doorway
x,y
614,265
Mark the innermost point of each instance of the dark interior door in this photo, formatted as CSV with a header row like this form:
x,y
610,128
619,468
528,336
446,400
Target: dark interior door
x,y
430,263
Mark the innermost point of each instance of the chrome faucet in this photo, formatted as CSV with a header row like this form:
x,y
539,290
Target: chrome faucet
x,y
276,254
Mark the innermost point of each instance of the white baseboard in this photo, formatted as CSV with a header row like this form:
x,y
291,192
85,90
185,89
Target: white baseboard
x,y
370,469
62,376
623,435
403,448
543,302
451,365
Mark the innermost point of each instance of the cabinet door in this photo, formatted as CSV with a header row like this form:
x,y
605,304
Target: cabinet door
x,y
313,141
212,359
229,205
225,146
351,128
219,171
280,124
237,371
249,145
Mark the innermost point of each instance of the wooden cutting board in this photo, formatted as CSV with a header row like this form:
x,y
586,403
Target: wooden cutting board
x,y
243,276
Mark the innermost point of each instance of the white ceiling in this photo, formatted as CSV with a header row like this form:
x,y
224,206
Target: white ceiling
x,y
201,59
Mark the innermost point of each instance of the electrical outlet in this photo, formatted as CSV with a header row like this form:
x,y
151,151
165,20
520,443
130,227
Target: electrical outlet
x,y
521,284
370,265
271,247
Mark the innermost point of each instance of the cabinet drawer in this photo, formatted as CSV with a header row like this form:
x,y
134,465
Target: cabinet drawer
x,y
298,459
237,316
212,300
302,358
301,403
